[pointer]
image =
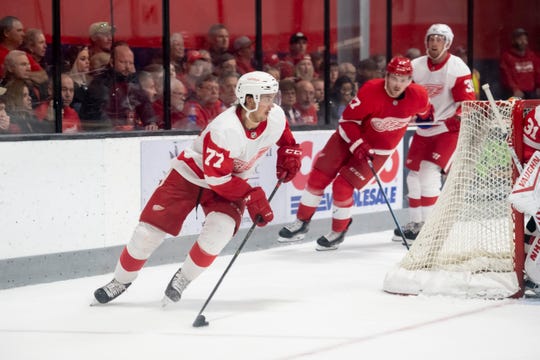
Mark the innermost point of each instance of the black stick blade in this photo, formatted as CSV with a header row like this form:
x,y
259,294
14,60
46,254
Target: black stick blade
x,y
200,321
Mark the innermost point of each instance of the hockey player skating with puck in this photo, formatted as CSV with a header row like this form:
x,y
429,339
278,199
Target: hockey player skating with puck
x,y
525,197
212,172
371,127
448,81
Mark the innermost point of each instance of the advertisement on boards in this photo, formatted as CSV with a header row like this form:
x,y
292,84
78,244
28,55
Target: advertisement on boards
x,y
156,156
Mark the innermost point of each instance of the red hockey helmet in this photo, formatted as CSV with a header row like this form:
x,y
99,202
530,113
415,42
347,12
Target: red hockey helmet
x,y
399,65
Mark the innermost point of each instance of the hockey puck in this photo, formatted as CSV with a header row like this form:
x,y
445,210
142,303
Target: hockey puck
x,y
200,321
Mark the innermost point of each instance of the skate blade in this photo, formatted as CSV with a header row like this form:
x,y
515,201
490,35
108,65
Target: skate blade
x,y
292,239
326,248
165,302
94,302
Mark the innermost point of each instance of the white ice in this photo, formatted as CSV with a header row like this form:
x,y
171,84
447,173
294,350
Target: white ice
x,y
288,302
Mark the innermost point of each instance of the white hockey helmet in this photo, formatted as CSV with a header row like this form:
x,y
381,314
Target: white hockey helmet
x,y
441,29
255,83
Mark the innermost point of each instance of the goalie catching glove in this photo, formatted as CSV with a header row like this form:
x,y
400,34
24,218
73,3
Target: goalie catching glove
x,y
288,162
258,207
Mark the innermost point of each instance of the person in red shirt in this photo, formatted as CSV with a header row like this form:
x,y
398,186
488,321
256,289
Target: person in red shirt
x,y
11,38
520,68
206,105
370,129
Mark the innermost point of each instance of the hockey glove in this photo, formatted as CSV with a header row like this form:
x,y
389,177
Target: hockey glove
x,y
425,118
453,123
258,207
288,162
363,151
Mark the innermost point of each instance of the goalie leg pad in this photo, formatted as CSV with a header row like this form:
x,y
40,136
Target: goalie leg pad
x,y
525,195
532,262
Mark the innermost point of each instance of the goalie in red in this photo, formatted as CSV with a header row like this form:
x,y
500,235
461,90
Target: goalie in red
x,y
371,127
212,172
525,197
448,81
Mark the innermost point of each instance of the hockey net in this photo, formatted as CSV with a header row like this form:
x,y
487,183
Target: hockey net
x,y
472,244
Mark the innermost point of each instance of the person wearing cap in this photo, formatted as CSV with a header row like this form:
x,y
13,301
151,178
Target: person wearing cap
x,y
243,52
101,36
11,38
520,68
297,51
371,127
195,70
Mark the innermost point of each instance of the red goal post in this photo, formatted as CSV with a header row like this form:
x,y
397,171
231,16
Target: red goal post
x,y
472,244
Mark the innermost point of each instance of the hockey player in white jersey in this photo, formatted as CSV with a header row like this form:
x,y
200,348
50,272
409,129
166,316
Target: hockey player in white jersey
x,y
212,173
448,82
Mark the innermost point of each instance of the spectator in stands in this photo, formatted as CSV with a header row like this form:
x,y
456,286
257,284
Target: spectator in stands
x,y
334,73
11,38
303,70
287,88
318,86
461,52
19,109
78,67
115,99
305,103
178,53
413,53
347,69
34,44
297,50
243,51
274,72
99,63
227,88
520,68
206,104
317,58
148,84
367,70
101,37
4,117
70,119
341,94
17,66
225,64
218,41
195,70
381,64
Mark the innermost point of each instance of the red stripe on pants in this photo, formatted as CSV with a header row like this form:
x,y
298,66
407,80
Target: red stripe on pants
x,y
428,201
415,203
129,263
200,257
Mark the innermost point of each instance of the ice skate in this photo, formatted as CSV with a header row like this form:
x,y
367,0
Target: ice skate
x,y
110,291
294,232
331,240
174,290
410,231
531,289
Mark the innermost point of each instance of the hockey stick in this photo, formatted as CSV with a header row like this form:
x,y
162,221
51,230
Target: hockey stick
x,y
499,119
370,164
200,320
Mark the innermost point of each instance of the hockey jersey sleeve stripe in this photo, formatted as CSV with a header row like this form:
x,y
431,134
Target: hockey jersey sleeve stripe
x,y
216,181
192,165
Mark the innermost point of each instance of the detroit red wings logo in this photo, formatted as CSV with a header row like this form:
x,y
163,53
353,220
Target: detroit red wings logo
x,y
433,89
389,123
241,166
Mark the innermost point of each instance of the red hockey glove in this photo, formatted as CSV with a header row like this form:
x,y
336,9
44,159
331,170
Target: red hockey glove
x,y
363,151
258,207
453,123
288,162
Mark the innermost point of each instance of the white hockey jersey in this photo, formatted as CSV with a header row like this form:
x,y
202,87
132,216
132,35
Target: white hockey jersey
x,y
447,83
225,153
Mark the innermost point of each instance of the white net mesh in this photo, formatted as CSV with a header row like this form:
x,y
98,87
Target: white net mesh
x,y
466,248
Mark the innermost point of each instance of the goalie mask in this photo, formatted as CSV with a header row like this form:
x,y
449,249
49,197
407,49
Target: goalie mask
x,y
255,83
441,30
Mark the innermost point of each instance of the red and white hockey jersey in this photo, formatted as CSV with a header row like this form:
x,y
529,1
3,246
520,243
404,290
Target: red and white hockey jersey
x,y
225,153
447,83
531,133
380,120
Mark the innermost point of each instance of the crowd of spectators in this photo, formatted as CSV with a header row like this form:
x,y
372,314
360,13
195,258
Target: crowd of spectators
x,y
103,90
